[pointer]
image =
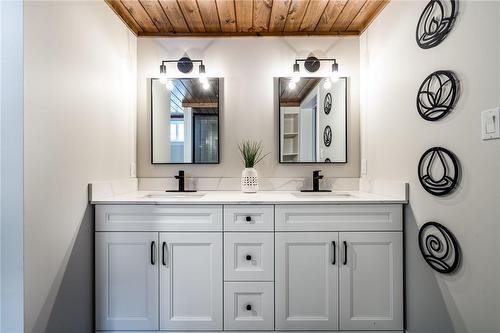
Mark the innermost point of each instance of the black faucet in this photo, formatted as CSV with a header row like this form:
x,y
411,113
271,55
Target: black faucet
x,y
316,178
181,179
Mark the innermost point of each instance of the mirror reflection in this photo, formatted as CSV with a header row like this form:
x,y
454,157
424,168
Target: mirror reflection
x,y
185,121
313,120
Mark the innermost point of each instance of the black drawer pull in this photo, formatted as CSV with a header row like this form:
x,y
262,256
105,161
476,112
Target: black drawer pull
x,y
249,307
152,253
345,253
248,257
163,248
248,218
334,252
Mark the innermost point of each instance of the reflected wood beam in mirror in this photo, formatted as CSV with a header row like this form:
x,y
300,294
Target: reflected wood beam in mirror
x,y
208,105
295,96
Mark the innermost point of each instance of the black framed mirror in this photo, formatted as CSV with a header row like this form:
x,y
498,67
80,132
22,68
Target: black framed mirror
x,y
185,121
312,120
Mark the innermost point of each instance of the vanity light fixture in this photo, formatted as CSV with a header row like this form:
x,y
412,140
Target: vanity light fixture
x,y
184,65
334,76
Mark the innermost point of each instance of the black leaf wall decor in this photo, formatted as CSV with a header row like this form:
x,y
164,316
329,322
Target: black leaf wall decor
x,y
437,95
327,103
327,136
436,22
439,247
438,171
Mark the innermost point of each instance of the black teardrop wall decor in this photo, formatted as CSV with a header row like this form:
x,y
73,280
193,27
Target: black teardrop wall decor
x,y
439,247
327,103
327,136
437,95
434,183
435,22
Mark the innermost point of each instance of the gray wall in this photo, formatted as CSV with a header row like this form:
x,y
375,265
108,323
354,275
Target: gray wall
x,y
80,86
395,136
248,110
11,167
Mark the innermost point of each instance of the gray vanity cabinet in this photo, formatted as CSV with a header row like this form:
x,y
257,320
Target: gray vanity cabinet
x,y
251,267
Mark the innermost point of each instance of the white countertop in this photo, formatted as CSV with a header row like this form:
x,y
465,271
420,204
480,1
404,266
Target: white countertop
x,y
262,197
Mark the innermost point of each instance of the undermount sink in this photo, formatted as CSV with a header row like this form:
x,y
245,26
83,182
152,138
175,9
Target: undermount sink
x,y
322,195
176,195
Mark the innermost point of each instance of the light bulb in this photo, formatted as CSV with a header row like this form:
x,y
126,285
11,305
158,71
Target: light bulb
x,y
335,72
163,74
202,76
328,84
203,80
292,85
296,73
170,85
205,85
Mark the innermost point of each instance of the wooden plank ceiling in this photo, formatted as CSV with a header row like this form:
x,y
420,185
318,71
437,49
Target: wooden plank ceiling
x,y
247,17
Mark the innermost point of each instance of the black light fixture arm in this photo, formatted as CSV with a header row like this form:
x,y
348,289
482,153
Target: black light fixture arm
x,y
163,62
316,59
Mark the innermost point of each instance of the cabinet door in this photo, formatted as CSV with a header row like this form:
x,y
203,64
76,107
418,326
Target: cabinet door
x,y
191,281
306,281
126,283
371,281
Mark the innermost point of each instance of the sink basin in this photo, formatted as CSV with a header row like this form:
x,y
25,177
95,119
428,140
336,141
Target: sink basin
x,y
176,195
322,195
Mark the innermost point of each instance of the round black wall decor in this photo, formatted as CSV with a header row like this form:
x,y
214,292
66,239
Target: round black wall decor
x,y
328,160
327,103
438,171
312,64
436,22
437,95
327,136
185,65
439,247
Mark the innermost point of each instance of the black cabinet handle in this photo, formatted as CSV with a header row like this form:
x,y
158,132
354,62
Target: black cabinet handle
x,y
334,253
152,253
249,307
163,248
248,257
248,218
345,253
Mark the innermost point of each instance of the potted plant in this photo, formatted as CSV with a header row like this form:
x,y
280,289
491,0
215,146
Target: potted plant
x,y
252,154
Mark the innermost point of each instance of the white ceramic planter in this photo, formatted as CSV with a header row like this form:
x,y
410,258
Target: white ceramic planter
x,y
249,180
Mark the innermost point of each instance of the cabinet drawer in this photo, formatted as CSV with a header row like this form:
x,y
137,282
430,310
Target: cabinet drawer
x,y
249,306
158,218
248,218
339,217
249,256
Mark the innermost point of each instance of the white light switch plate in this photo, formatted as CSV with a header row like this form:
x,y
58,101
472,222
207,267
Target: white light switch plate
x,y
490,124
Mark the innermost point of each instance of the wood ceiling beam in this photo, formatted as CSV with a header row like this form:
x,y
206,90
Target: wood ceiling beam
x,y
226,18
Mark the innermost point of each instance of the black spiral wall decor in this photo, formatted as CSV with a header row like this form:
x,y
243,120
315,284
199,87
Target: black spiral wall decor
x,y
327,104
437,95
436,22
439,247
327,136
438,182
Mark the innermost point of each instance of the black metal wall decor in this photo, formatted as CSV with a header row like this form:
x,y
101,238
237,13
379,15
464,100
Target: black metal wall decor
x,y
436,22
327,136
438,171
327,103
439,247
437,95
